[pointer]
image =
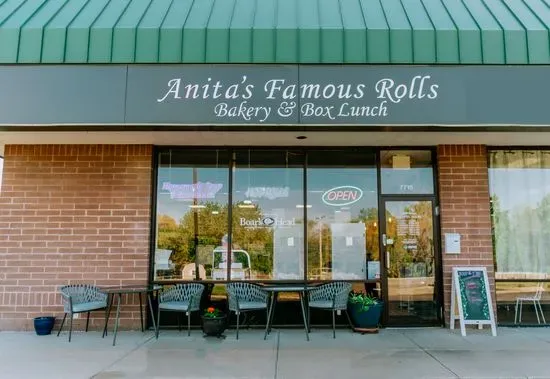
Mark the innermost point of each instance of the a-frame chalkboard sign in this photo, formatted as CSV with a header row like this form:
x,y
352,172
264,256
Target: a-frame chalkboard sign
x,y
471,297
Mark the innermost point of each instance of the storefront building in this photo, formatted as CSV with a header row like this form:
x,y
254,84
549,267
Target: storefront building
x,y
147,141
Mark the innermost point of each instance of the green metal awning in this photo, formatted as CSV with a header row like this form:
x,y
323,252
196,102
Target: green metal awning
x,y
275,31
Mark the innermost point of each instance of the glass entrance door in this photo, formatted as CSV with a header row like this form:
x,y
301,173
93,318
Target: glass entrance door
x,y
409,249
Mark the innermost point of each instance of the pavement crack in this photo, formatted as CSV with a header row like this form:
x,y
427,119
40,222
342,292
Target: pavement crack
x,y
528,335
432,356
138,346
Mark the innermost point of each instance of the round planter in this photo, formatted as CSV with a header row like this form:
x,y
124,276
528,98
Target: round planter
x,y
213,326
365,319
43,325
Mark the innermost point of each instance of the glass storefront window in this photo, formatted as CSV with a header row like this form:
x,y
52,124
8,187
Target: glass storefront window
x,y
519,184
268,215
343,215
268,212
192,213
406,172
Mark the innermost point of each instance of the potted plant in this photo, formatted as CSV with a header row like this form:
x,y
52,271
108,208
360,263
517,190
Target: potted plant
x,y
213,322
365,311
43,325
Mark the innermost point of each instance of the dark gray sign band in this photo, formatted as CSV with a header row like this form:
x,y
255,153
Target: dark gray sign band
x,y
274,95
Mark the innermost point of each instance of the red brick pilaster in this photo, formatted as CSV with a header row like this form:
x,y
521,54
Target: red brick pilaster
x,y
465,209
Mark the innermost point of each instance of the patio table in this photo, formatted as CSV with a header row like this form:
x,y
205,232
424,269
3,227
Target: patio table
x,y
274,290
129,290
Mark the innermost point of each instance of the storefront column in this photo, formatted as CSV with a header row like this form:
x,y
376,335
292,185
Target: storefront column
x,y
465,209
72,214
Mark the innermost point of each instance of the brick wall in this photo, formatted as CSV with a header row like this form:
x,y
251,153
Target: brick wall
x,y
71,214
465,209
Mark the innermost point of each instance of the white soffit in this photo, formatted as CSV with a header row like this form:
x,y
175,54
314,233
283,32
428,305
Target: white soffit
x,y
268,138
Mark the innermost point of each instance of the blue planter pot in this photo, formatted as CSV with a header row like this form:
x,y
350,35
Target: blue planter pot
x,y
365,319
43,325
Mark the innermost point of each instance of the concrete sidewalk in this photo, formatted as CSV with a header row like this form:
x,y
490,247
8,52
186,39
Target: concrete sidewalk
x,y
393,353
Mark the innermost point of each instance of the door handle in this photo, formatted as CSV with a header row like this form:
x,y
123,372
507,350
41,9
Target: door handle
x,y
385,244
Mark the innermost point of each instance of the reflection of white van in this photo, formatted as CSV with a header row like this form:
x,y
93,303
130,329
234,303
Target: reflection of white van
x,y
240,264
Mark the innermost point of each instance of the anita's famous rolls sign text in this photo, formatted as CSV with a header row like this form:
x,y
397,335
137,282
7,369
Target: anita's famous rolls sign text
x,y
246,101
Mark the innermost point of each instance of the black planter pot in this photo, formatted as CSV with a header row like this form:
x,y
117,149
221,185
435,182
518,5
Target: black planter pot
x,y
43,325
365,319
214,326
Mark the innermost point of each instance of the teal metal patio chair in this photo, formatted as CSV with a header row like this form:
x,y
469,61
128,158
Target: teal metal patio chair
x,y
182,297
332,297
245,297
80,298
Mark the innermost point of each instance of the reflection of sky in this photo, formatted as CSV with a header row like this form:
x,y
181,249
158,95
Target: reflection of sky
x,y
517,188
398,209
319,181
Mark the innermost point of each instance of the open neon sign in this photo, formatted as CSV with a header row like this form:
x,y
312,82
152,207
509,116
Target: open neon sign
x,y
343,195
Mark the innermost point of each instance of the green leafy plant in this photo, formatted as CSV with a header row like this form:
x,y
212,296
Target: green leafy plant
x,y
212,312
364,299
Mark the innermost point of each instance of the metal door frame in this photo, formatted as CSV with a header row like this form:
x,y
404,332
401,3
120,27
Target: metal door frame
x,y
438,279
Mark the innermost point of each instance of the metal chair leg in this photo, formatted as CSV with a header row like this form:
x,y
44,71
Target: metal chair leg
x,y
536,310
272,311
309,320
87,322
158,323
333,323
238,324
188,323
517,310
62,322
349,319
520,309
70,326
542,314
266,322
108,313
304,316
151,311
105,324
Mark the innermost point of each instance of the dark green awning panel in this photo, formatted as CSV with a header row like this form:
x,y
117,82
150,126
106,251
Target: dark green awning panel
x,y
275,31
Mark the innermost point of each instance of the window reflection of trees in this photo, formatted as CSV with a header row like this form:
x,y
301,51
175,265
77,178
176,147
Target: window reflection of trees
x,y
519,183
369,217
179,237
412,251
